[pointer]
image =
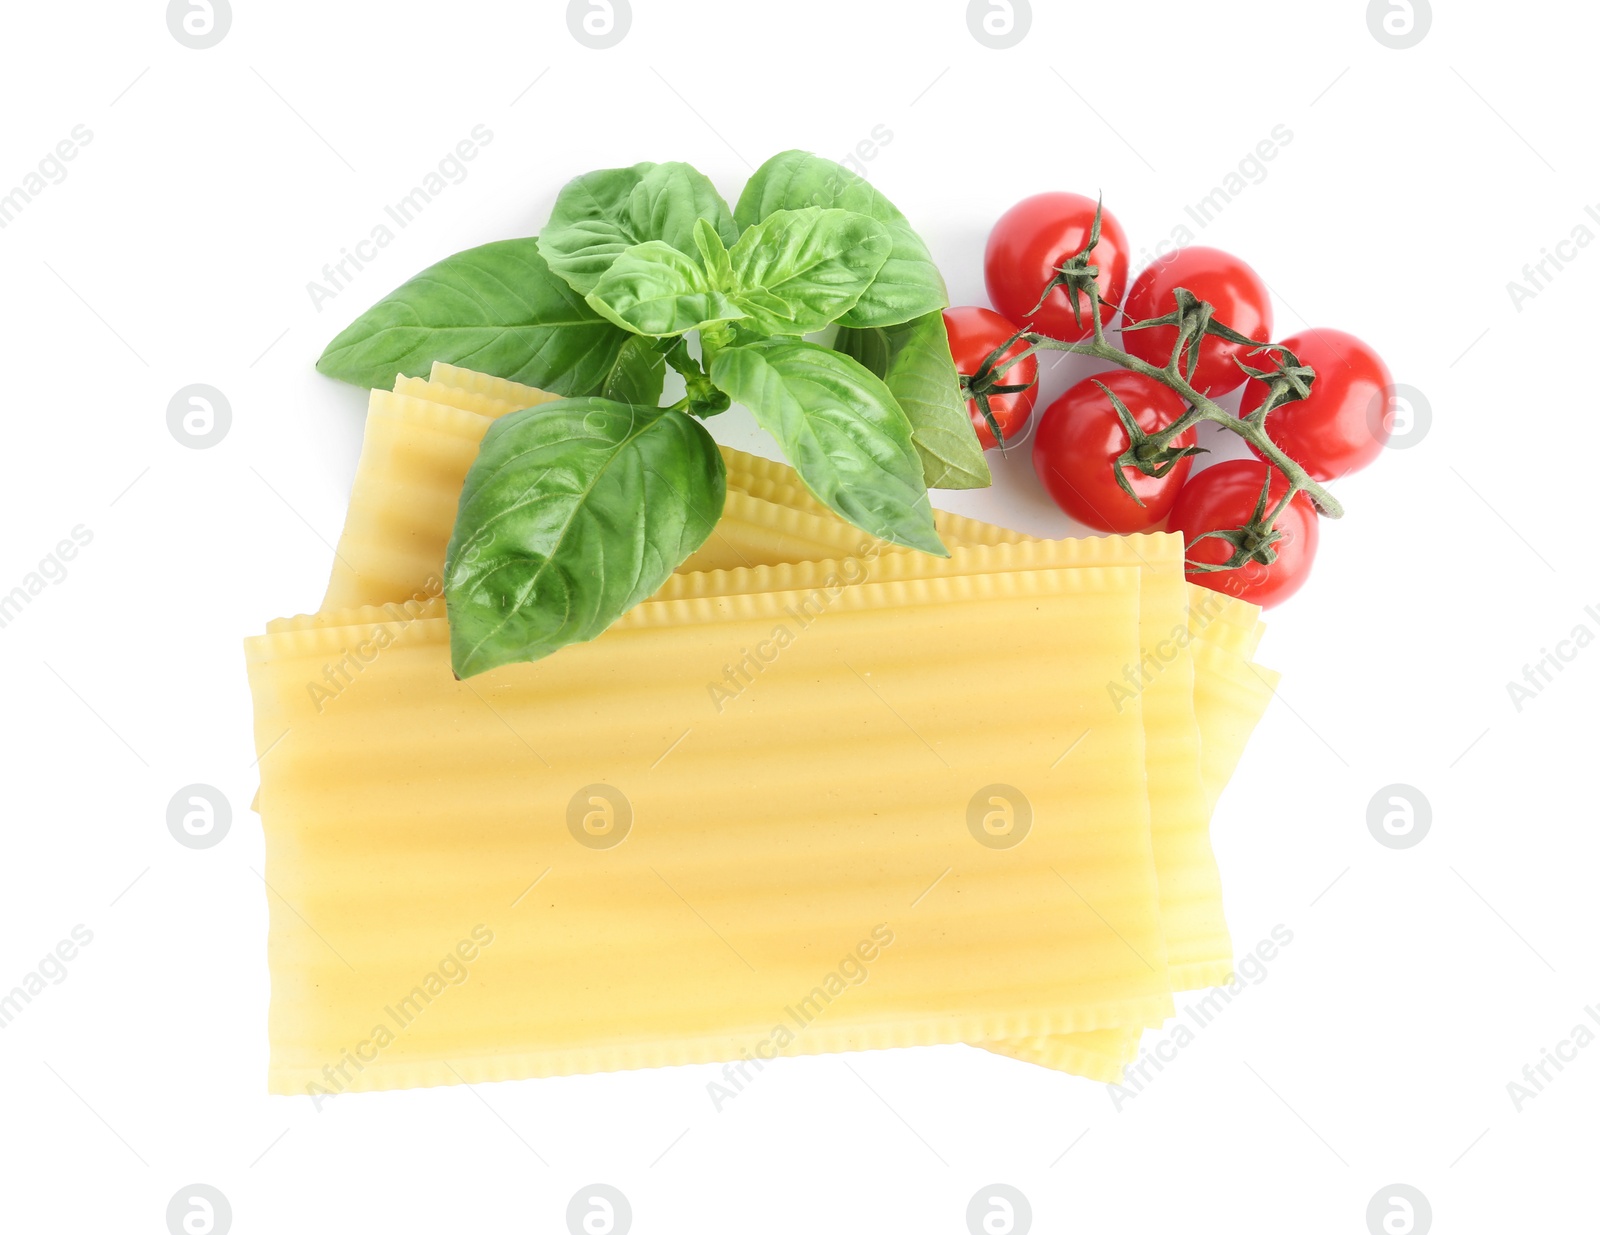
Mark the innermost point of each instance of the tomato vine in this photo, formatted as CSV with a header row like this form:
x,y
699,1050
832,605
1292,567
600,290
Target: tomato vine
x,y
1155,453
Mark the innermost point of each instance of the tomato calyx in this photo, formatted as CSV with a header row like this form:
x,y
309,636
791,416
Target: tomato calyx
x,y
1251,543
1150,453
987,382
1288,381
1078,274
1193,319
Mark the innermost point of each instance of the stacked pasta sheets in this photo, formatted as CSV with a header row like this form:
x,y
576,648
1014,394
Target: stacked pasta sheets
x,y
818,794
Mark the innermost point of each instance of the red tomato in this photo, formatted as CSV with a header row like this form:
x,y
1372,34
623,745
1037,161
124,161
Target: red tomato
x,y
1237,296
974,333
1029,244
1080,437
1342,425
1223,497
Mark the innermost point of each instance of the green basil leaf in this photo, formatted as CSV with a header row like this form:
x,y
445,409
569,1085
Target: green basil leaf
x,y
907,286
669,201
599,216
798,270
915,363
496,308
868,346
573,513
842,430
654,289
714,255
590,224
639,374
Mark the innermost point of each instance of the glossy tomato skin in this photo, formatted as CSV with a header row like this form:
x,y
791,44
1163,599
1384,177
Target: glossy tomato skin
x,y
974,333
1223,497
1341,426
1079,439
1030,242
1236,294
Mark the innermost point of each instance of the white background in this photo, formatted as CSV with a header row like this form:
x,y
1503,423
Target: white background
x,y
1420,982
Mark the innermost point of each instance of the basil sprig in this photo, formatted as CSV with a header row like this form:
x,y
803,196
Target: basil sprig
x,y
580,508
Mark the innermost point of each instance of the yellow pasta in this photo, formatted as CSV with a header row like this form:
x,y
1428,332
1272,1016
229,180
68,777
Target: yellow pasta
x,y
513,395
414,459
1231,695
1200,952
1162,678
409,817
770,518
1097,1054
469,400
758,532
796,527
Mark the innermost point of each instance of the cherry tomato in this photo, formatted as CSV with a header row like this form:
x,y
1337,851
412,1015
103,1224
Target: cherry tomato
x,y
1080,437
1237,296
974,333
1342,425
1029,244
1223,497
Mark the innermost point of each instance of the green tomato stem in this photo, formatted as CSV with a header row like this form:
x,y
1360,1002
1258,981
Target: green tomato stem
x,y
1200,408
